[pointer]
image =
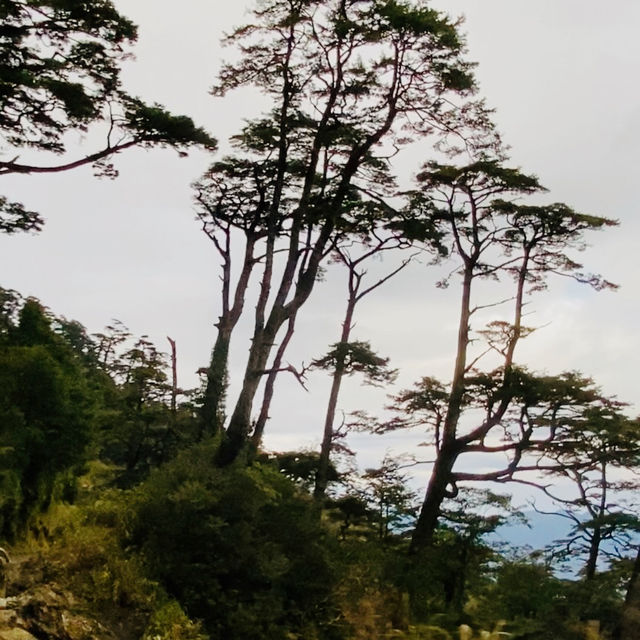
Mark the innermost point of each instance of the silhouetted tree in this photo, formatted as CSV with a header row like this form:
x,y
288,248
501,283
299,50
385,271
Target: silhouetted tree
x,y
591,453
492,238
344,78
60,72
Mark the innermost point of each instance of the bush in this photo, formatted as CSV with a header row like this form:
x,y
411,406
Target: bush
x,y
240,548
169,622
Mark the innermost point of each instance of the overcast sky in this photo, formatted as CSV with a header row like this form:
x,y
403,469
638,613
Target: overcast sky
x,y
562,78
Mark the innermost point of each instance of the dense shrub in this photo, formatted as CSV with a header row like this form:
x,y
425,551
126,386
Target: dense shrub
x,y
240,548
45,417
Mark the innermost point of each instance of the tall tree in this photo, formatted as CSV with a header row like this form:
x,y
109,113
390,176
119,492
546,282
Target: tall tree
x,y
60,72
347,357
233,198
344,78
593,453
492,238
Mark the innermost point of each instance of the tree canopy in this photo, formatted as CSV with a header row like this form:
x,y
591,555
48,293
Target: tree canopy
x,y
60,64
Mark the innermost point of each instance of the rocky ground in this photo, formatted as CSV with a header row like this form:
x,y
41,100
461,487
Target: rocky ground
x,y
38,607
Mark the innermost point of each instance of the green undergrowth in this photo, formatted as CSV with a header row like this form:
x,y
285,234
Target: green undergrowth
x,y
244,553
82,551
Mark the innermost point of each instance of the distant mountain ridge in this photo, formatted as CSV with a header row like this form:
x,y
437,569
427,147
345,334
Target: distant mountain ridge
x,y
542,530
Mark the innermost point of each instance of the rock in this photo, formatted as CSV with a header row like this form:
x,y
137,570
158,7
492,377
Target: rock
x,y
41,604
16,634
46,611
7,618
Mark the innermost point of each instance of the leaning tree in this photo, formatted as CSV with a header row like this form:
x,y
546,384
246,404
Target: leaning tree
x,y
349,82
506,411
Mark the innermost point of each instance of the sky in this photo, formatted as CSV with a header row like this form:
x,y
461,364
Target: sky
x,y
561,77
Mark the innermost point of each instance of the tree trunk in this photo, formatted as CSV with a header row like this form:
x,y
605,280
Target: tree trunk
x,y
629,628
237,434
449,449
174,381
322,474
452,445
213,405
437,491
211,415
327,438
594,550
269,387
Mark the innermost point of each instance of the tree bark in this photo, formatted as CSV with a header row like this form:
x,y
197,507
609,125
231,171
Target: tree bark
x,y
594,550
269,387
449,449
237,434
437,491
211,414
174,381
322,473
213,402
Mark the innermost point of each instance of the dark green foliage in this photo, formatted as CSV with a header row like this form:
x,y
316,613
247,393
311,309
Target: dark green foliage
x,y
489,177
240,548
538,605
10,304
65,396
357,357
14,217
372,593
137,429
60,72
446,579
600,598
45,409
58,64
392,502
154,126
300,466
531,597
